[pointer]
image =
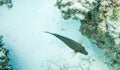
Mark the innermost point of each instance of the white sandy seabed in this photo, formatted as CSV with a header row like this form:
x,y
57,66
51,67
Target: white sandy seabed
x,y
30,48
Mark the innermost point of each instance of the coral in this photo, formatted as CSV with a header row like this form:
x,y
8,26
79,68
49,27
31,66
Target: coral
x,y
4,60
4,65
99,21
7,2
75,9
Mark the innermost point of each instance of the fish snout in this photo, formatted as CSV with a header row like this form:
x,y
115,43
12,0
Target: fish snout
x,y
85,51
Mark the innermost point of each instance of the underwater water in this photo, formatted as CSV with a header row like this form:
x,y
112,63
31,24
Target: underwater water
x,y
30,48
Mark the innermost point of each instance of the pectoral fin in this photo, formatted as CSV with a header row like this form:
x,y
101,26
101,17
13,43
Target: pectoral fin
x,y
74,53
81,42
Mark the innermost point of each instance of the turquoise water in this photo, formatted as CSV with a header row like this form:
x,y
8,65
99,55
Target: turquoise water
x,y
30,48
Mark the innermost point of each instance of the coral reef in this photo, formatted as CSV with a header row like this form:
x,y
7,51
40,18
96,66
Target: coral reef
x,y
99,22
7,2
75,9
4,65
4,60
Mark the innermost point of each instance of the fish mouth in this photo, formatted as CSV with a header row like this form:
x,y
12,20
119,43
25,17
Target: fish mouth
x,y
86,53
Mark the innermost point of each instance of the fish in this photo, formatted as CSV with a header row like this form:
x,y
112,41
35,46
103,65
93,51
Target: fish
x,y
77,47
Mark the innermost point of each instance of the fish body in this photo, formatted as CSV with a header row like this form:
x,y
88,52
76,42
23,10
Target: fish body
x,y
71,43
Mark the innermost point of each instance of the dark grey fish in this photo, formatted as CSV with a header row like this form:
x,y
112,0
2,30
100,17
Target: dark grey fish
x,y
71,43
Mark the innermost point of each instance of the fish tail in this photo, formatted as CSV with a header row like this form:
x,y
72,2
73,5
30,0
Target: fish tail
x,y
48,32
